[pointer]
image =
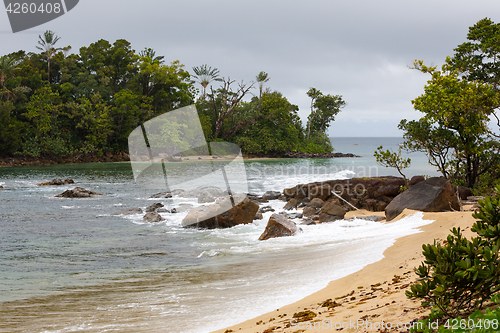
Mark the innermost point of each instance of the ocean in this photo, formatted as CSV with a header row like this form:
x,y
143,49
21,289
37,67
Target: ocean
x,y
69,265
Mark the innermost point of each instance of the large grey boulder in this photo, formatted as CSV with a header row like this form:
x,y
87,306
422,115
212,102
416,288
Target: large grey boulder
x,y
433,195
222,214
278,226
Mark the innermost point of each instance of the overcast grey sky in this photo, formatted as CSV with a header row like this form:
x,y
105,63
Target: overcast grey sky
x,y
359,49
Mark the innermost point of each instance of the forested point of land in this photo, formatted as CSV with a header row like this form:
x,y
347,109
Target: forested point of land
x,y
56,103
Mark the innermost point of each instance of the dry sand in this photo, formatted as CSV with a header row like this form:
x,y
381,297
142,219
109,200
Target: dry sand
x,y
369,297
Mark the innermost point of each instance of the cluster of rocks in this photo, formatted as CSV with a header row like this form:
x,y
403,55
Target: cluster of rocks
x,y
320,202
322,205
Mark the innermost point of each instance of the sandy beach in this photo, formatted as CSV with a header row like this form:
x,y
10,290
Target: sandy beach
x,y
370,300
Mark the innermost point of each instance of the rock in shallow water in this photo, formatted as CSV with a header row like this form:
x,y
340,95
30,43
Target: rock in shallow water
x,y
130,211
279,226
154,207
78,192
57,182
153,217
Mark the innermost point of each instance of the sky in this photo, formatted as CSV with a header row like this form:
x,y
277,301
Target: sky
x,y
359,49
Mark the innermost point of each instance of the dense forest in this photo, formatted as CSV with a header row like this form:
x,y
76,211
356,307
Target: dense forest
x,y
58,103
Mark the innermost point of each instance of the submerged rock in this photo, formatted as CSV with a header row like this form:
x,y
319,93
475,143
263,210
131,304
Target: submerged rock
x,y
130,211
153,217
78,192
266,209
165,195
222,214
279,226
433,195
57,182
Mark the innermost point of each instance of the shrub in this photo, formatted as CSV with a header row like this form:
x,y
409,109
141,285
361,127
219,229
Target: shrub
x,y
459,275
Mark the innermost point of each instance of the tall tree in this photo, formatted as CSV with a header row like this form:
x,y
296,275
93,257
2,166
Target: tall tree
x,y
479,57
204,75
7,66
262,78
324,108
455,122
46,44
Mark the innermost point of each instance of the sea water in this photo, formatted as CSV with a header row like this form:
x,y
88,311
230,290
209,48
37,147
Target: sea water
x,y
69,265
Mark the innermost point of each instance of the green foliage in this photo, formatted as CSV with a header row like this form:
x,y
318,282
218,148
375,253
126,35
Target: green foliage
x,y
459,275
324,108
390,159
477,322
52,103
457,104
454,130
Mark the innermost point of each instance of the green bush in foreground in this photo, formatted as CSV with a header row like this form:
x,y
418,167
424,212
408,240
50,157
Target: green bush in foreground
x,y
478,322
458,276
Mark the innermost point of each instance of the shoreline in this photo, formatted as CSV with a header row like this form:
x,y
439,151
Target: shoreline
x,y
370,297
27,161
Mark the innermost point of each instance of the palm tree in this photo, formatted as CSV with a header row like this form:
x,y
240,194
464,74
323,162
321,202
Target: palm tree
x,y
7,66
204,75
261,78
47,45
151,54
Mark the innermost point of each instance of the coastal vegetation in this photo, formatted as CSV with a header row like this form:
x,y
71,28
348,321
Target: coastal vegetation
x,y
57,104
459,276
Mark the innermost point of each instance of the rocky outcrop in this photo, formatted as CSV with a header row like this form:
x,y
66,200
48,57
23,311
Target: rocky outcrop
x,y
222,214
154,207
153,217
278,226
258,215
78,192
332,211
433,195
130,211
57,182
372,194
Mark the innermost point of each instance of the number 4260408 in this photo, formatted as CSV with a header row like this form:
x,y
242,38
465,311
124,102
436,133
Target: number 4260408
x,y
32,8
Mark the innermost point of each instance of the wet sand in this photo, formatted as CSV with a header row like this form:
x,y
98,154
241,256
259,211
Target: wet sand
x,y
370,299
